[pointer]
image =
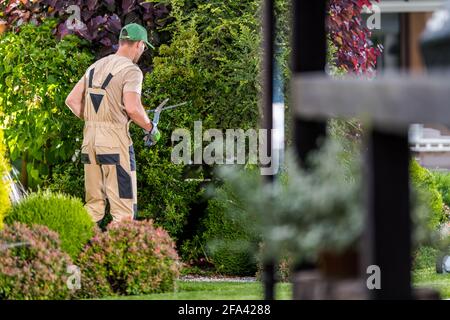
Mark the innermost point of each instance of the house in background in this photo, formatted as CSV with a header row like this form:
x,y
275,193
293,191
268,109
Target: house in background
x,y
402,23
431,145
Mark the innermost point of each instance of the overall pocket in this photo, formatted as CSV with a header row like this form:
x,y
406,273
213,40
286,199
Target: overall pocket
x,y
85,151
107,147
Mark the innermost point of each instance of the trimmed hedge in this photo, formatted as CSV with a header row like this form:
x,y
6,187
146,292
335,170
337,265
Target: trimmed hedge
x,y
61,213
35,271
212,63
163,193
130,258
224,236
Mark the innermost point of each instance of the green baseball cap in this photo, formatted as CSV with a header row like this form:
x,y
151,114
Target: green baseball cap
x,y
135,32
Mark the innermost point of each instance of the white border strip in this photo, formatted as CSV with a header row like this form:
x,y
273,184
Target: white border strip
x,y
402,6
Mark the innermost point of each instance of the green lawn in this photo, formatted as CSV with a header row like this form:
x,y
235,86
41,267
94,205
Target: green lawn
x,y
429,278
187,290
216,291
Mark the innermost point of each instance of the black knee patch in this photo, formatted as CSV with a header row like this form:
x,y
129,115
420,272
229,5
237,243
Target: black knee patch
x,y
124,182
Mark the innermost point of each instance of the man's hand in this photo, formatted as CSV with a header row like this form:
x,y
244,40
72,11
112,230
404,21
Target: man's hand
x,y
152,137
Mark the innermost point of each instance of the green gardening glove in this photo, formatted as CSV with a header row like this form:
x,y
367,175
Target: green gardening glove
x,y
152,137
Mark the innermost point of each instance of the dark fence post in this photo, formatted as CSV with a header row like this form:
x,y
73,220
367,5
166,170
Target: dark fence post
x,y
268,24
388,225
309,44
309,52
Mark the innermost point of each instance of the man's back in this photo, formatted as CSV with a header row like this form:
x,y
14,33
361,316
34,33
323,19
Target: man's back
x,y
121,75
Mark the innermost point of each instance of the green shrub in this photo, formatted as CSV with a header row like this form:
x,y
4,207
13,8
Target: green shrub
x,y
163,194
36,74
36,271
63,214
67,178
212,61
225,237
130,258
427,191
425,258
442,180
4,186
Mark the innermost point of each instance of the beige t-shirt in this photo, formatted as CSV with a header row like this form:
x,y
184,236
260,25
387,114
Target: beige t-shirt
x,y
128,79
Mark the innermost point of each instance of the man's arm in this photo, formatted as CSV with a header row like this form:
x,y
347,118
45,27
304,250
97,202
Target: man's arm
x,y
135,110
75,99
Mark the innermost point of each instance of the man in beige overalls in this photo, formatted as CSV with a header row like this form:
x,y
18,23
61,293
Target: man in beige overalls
x,y
108,98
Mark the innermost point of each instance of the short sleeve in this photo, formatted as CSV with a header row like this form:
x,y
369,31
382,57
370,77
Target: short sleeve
x,y
133,80
82,82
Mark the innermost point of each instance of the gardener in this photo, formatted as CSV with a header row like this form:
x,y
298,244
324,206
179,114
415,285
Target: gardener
x,y
108,98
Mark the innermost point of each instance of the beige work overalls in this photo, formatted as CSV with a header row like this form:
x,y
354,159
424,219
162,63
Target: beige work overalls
x,y
107,150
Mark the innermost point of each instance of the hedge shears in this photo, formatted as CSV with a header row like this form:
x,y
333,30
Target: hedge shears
x,y
153,136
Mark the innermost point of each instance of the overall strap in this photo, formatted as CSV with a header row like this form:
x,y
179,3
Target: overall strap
x,y
105,83
115,70
91,77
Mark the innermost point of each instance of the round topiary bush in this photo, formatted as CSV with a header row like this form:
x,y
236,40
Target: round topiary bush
x,y
35,271
130,258
61,213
